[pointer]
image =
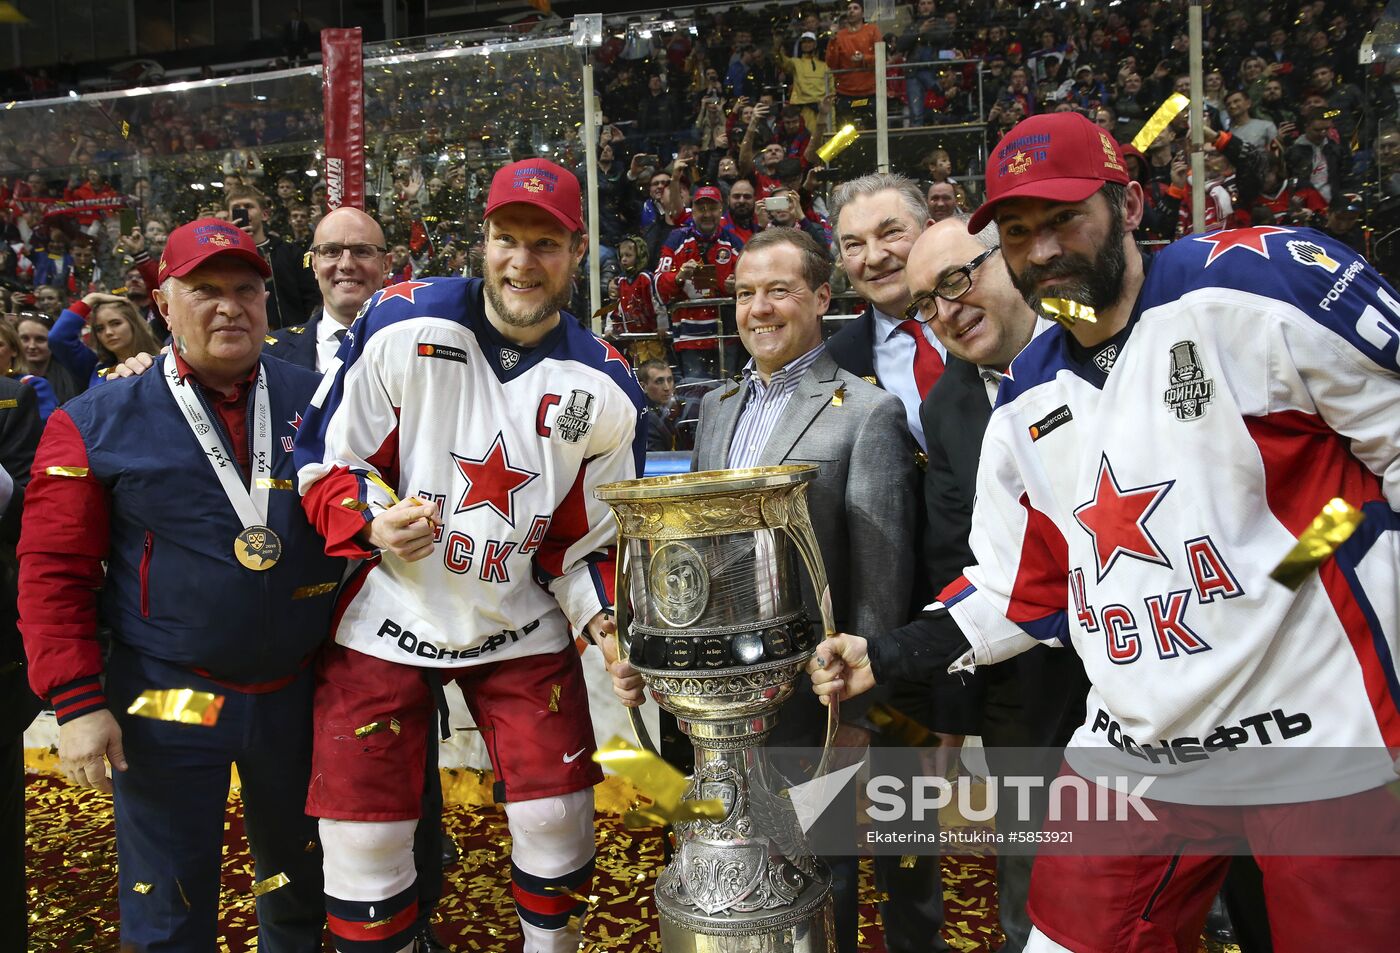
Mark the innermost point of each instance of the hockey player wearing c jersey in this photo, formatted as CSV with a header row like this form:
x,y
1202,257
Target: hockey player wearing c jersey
x,y
1140,477
455,451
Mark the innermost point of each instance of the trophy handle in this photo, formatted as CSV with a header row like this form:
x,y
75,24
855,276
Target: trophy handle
x,y
798,524
622,606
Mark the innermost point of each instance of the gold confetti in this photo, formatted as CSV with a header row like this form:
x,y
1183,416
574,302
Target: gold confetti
x,y
1068,312
269,339
350,503
270,884
375,727
376,924
1165,113
126,134
660,782
310,847
9,402
838,143
141,887
554,691
184,705
67,471
839,398
320,589
267,483
1328,530
908,861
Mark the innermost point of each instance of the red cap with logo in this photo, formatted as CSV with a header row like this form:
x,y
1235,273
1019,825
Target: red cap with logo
x,y
191,245
540,183
708,192
1059,157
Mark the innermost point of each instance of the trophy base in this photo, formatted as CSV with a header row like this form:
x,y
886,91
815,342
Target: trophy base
x,y
814,933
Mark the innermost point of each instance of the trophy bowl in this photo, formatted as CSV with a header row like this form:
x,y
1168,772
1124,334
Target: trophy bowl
x,y
710,612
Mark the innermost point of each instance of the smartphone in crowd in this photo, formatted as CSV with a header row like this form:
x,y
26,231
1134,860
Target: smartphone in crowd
x,y
239,216
704,278
777,203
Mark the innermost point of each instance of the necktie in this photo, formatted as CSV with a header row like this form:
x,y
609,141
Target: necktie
x,y
339,335
928,366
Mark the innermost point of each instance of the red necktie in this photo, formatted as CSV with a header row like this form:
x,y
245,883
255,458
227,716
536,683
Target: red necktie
x,y
928,365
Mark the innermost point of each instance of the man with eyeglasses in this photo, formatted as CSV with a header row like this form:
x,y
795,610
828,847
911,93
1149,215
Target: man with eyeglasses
x,y
350,261
961,290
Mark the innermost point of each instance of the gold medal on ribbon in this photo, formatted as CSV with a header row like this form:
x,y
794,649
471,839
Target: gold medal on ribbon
x,y
257,548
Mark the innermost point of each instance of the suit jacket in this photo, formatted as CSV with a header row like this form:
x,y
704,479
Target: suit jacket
x,y
1036,698
853,347
19,437
297,344
862,504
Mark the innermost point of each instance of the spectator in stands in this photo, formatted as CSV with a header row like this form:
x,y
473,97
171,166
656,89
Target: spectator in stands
x,y
118,332
52,262
851,55
697,262
657,117
740,217
1316,159
1344,222
293,286
14,366
93,187
50,300
1274,105
34,344
942,200
636,310
1259,133
917,44
298,226
86,273
1343,99
808,72
663,408
784,209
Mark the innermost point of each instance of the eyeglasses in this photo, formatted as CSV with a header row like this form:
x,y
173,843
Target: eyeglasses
x,y
331,251
951,287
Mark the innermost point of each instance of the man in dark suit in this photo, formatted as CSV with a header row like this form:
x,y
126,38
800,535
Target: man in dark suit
x,y
795,406
350,261
19,436
964,294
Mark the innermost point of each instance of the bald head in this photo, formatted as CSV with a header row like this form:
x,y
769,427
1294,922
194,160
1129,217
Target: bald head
x,y
348,279
989,322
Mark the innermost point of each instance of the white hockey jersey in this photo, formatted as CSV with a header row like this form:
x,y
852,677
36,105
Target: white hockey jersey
x,y
1133,501
510,442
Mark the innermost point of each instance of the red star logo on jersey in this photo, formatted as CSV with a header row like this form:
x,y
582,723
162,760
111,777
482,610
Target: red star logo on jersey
x,y
492,481
295,422
1251,239
1116,520
613,354
404,289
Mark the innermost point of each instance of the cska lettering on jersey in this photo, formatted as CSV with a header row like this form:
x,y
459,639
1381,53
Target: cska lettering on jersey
x,y
461,551
1116,520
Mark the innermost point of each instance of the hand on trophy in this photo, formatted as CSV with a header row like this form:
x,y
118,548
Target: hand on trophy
x,y
627,683
841,667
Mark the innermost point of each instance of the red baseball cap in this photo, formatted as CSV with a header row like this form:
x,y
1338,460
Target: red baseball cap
x,y
191,245
540,183
1060,157
708,192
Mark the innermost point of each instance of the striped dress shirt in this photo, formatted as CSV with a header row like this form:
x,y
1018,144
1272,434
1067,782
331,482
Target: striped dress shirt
x,y
763,406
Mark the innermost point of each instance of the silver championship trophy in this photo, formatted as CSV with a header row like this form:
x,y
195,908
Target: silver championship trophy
x,y
710,612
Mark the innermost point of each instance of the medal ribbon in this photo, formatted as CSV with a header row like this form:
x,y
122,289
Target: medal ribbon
x,y
250,507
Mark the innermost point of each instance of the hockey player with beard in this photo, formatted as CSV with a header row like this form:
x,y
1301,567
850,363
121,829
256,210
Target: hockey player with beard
x,y
1142,475
455,450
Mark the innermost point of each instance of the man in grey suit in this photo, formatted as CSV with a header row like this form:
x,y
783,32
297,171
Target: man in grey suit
x,y
795,406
